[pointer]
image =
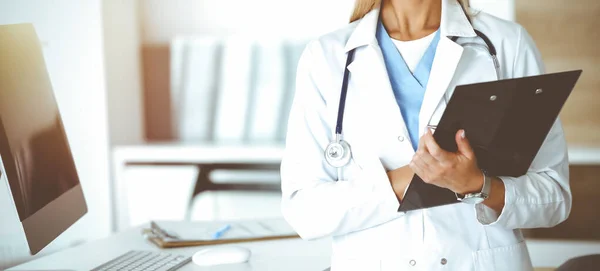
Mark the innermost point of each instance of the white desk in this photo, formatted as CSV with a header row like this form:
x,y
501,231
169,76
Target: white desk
x,y
288,254
553,253
584,155
191,154
210,156
184,153
206,157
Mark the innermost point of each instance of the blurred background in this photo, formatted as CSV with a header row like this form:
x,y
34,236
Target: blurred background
x,y
177,109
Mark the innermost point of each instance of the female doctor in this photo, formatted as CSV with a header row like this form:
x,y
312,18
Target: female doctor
x,y
389,73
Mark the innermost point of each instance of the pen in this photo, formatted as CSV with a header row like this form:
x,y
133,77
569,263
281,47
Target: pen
x,y
221,231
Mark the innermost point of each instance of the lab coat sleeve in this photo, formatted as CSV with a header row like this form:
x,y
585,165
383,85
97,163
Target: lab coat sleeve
x,y
542,197
313,202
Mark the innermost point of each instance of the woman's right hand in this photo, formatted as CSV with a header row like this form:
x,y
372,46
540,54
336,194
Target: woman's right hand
x,y
400,179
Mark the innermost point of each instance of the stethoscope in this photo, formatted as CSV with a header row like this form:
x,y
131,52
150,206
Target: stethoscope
x,y
338,152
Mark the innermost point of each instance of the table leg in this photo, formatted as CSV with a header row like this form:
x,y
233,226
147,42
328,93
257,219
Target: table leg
x,y
202,184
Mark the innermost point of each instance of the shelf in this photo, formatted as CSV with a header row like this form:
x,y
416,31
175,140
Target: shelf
x,y
583,155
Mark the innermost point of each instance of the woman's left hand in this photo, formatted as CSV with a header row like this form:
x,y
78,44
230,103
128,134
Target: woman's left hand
x,y
455,171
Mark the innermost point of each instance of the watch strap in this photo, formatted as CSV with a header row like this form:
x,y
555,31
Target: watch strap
x,y
487,184
485,189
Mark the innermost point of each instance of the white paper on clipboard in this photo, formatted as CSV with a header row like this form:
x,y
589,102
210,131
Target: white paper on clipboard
x,y
238,229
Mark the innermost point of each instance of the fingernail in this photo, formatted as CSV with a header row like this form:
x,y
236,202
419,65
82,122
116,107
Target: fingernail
x,y
462,134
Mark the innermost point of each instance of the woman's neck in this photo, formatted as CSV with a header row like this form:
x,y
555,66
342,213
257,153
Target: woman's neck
x,y
411,19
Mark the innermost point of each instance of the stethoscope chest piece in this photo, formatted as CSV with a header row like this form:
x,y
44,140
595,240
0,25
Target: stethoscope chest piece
x,y
338,153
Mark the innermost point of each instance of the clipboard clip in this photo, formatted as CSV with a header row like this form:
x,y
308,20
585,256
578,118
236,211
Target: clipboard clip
x,y
431,127
157,232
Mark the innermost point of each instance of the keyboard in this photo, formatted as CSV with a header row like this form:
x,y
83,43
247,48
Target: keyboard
x,y
136,260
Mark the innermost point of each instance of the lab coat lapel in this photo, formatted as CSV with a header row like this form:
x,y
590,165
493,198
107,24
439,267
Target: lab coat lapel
x,y
370,84
446,60
454,22
369,77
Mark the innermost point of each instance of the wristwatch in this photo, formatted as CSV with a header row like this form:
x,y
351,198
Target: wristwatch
x,y
479,197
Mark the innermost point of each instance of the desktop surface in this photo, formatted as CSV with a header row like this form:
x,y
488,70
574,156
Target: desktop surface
x,y
288,254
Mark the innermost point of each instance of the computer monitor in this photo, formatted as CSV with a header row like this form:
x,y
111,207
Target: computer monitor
x,y
35,155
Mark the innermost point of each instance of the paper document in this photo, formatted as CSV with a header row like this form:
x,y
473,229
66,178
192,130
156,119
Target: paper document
x,y
176,234
238,230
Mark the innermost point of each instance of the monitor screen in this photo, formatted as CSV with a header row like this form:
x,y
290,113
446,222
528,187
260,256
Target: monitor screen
x,y
36,156
34,149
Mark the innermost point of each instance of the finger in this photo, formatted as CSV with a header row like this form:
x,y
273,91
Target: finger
x,y
464,147
420,168
427,158
434,149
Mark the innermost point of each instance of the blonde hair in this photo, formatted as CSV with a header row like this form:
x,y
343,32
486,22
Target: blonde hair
x,y
362,7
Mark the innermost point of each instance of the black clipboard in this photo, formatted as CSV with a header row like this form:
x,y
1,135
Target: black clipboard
x,y
490,112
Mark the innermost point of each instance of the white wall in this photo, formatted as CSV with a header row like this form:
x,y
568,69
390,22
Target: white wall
x,y
504,9
162,20
71,31
122,62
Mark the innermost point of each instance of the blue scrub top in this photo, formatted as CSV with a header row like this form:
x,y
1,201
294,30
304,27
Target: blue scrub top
x,y
409,88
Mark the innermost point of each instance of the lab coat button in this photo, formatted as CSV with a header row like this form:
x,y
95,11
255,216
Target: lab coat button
x,y
444,261
412,262
401,138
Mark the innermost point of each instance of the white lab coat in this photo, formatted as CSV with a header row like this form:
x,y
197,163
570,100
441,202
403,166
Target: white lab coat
x,y
360,212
